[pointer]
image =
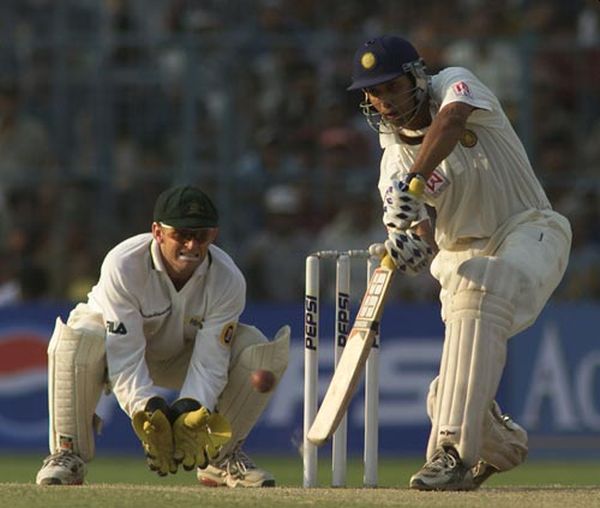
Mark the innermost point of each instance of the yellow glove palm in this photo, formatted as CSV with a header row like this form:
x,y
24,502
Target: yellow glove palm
x,y
199,435
155,432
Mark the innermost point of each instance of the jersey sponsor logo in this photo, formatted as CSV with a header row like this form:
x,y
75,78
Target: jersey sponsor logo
x,y
116,328
436,184
461,89
468,138
227,334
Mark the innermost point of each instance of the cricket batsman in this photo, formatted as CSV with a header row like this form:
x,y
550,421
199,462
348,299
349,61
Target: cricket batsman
x,y
496,246
164,314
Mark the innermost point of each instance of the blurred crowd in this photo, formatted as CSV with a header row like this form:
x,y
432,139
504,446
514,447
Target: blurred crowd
x,y
104,103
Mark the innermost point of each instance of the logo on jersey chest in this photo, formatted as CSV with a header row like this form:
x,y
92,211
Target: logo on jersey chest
x,y
436,184
227,334
116,328
468,138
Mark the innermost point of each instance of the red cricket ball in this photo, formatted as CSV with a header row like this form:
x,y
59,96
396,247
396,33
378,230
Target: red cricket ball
x,y
262,380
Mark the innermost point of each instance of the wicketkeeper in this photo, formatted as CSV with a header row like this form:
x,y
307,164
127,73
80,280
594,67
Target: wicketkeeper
x,y
502,249
164,314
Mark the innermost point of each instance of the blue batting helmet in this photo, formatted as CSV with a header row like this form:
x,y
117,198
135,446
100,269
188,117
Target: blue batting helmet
x,y
382,59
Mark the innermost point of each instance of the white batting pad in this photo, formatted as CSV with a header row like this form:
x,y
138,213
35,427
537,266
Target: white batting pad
x,y
478,321
240,403
504,442
76,377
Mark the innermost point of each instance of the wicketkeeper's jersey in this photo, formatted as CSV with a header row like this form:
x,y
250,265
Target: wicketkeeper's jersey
x,y
485,181
149,321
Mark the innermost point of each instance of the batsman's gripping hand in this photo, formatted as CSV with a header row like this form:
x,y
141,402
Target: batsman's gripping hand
x,y
153,428
198,433
403,203
409,252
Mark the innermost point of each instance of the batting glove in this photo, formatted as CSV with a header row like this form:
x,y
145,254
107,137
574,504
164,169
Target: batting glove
x,y
403,203
153,428
410,253
199,434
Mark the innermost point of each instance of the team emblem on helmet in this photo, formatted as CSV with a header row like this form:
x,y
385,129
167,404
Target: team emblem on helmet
x,y
368,60
468,138
194,208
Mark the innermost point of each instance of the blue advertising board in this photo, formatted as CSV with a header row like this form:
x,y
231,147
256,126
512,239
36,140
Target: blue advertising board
x,y
551,384
553,380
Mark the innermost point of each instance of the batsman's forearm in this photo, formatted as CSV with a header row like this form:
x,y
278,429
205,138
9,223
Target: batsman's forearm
x,y
441,138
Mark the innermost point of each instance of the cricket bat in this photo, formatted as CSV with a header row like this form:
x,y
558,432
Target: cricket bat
x,y
355,354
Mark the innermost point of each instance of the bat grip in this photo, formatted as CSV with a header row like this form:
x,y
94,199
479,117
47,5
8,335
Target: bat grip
x,y
387,262
416,185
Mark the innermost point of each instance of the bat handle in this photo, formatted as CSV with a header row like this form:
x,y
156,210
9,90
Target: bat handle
x,y
388,262
378,250
416,186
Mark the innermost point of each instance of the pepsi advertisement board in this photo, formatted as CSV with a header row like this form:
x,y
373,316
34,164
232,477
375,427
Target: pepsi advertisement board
x,y
551,384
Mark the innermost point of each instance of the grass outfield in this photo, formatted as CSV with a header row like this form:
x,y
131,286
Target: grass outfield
x,y
125,482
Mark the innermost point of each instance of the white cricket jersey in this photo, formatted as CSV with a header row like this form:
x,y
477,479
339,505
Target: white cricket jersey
x,y
485,181
148,319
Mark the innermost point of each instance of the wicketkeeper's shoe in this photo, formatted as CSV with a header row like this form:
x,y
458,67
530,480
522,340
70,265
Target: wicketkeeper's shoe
x,y
62,468
445,471
236,470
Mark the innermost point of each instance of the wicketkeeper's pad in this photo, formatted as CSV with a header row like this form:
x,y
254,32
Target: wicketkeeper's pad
x,y
76,377
240,403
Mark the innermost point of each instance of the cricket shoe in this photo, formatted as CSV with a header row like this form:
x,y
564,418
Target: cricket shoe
x,y
504,448
236,470
481,472
62,468
444,471
509,438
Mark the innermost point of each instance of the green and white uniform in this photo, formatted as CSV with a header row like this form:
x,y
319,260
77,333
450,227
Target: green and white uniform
x,y
149,322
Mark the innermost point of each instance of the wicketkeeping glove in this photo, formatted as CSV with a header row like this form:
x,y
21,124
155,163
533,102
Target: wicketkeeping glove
x,y
153,428
410,253
403,203
198,433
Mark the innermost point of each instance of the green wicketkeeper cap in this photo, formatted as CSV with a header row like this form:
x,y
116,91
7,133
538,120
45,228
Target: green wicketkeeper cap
x,y
185,206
